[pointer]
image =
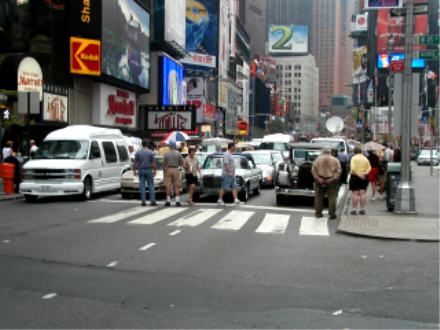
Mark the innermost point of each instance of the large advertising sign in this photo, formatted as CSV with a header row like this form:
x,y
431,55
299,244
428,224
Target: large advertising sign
x,y
30,76
201,32
378,4
55,107
170,82
113,106
169,21
288,39
85,56
224,42
392,27
360,64
85,18
169,118
126,42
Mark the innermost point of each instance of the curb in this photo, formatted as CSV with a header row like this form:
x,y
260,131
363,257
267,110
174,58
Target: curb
x,y
5,197
341,206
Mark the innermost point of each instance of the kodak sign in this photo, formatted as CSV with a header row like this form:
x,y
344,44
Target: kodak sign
x,y
85,56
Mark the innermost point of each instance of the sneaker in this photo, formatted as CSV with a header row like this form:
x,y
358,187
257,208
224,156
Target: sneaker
x,y
178,204
167,204
332,217
143,204
362,212
353,212
220,203
318,215
373,198
191,203
153,204
237,202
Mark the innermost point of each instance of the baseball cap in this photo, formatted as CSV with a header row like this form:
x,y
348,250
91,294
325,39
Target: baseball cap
x,y
172,143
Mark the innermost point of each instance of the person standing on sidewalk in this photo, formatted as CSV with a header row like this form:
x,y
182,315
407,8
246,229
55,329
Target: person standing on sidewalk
x,y
360,168
192,169
228,176
7,150
144,161
171,162
373,176
326,170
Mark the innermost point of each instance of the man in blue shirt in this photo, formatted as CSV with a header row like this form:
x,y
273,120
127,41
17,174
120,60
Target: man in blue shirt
x,y
144,161
228,176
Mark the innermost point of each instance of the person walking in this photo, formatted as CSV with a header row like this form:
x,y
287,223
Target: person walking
x,y
145,163
389,153
172,159
373,176
7,150
360,167
191,166
228,176
326,171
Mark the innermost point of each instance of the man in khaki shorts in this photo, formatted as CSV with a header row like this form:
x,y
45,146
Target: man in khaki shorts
x,y
171,162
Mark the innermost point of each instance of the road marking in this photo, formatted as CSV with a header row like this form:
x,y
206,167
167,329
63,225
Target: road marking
x,y
157,216
112,264
234,220
274,223
312,226
195,218
146,247
119,216
49,296
271,208
174,233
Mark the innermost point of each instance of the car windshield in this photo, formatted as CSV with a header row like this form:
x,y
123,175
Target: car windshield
x,y
279,146
428,152
62,150
313,154
201,158
261,159
277,156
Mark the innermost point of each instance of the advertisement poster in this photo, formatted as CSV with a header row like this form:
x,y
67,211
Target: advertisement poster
x,y
394,27
175,21
171,80
126,42
224,40
195,93
201,26
288,39
55,107
360,61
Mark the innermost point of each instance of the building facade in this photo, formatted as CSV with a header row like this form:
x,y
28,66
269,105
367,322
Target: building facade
x,y
298,82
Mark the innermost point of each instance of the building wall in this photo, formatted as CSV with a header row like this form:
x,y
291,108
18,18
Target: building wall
x,y
299,81
254,19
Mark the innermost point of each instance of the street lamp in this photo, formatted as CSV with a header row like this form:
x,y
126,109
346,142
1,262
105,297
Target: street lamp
x,y
390,83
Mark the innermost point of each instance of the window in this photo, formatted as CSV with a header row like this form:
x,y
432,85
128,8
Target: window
x,y
95,152
122,152
110,152
61,149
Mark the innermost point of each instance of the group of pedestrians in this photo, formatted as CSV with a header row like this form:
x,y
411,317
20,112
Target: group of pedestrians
x,y
365,169
145,167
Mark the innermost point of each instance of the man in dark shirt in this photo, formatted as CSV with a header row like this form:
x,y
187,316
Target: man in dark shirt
x,y
144,161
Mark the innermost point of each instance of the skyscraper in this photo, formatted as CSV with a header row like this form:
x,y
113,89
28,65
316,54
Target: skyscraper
x,y
332,48
252,14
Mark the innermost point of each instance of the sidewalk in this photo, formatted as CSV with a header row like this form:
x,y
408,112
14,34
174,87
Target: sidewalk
x,y
378,222
4,196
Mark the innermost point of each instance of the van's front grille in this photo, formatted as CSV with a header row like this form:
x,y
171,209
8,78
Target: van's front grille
x,y
49,174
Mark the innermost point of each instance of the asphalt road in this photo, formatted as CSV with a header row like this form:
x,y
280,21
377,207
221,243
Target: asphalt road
x,y
108,263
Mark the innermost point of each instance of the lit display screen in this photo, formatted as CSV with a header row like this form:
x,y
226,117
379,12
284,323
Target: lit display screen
x,y
171,81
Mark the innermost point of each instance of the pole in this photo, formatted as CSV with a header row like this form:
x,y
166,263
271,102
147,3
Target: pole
x,y
390,83
376,115
28,125
405,199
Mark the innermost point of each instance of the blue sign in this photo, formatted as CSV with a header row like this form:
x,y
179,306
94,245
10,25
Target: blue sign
x,y
170,80
383,61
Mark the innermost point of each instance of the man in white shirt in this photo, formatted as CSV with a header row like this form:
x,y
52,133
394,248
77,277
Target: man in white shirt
x,y
389,153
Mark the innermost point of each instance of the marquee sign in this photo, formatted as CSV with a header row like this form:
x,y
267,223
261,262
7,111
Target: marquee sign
x,y
85,56
170,118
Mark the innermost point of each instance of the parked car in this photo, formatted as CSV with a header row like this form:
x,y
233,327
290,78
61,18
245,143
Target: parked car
x,y
267,163
248,175
76,160
130,182
295,177
424,157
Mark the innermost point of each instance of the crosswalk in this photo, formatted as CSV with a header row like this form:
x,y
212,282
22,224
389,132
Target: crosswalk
x,y
219,219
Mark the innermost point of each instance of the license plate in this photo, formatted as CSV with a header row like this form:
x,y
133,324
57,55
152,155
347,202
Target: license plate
x,y
44,188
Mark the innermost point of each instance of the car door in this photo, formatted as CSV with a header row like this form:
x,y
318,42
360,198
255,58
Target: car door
x,y
111,173
95,164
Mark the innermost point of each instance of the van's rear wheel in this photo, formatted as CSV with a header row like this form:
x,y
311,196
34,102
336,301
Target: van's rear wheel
x,y
88,186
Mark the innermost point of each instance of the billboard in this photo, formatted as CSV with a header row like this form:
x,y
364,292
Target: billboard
x,y
169,21
126,42
383,61
85,56
288,39
360,62
201,30
170,82
224,42
378,4
85,18
55,107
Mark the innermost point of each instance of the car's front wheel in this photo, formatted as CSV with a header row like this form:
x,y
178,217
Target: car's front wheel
x,y
244,195
258,189
88,189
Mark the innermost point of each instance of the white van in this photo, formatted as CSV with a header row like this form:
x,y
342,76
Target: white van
x,y
78,159
278,141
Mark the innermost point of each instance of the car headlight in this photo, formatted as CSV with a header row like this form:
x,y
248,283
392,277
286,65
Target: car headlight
x,y
295,171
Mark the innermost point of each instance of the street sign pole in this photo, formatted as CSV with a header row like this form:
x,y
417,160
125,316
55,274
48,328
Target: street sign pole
x,y
405,196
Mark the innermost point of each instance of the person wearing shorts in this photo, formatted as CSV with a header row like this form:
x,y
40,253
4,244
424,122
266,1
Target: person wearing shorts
x,y
360,168
192,169
171,162
228,176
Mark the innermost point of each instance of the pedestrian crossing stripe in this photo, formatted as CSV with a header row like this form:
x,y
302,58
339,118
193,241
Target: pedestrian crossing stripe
x,y
233,220
195,218
154,217
274,223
